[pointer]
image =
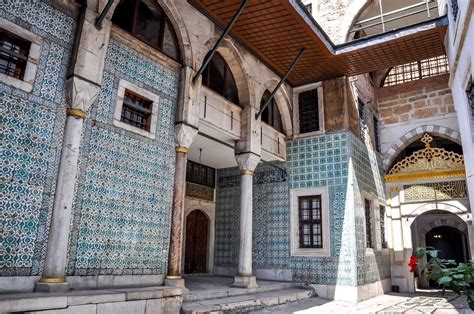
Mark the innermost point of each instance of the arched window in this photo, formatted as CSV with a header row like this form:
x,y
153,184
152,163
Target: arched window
x,y
218,77
148,22
271,114
416,70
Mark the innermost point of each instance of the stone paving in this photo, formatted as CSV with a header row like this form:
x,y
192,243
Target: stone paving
x,y
421,302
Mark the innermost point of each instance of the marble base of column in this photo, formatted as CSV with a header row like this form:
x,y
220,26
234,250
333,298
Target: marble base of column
x,y
51,287
247,282
176,283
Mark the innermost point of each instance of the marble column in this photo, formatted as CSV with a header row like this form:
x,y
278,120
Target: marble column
x,y
247,163
184,135
81,95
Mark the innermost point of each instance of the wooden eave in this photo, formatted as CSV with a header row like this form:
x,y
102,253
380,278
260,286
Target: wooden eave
x,y
276,30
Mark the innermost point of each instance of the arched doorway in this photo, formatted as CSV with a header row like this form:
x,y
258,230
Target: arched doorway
x,y
450,242
197,230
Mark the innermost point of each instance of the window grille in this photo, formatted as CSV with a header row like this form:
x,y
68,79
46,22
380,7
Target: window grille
x,y
454,9
417,70
368,224
13,54
362,121
376,134
136,111
310,221
382,227
200,174
309,111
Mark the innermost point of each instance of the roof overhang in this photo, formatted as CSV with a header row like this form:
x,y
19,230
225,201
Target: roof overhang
x,y
275,31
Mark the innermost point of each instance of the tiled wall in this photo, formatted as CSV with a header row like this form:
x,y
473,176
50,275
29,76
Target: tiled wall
x,y
31,130
313,162
122,212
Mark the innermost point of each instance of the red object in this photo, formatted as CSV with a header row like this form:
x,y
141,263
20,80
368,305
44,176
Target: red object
x,y
413,262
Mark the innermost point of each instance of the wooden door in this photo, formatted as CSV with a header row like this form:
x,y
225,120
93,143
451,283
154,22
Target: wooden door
x,y
197,227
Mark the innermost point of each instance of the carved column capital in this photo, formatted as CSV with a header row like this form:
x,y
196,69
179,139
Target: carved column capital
x,y
81,94
184,135
247,162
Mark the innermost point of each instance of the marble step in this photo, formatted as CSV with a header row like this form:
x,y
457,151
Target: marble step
x,y
247,302
231,292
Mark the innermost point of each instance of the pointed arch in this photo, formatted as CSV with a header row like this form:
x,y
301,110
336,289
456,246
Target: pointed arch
x,y
236,63
283,102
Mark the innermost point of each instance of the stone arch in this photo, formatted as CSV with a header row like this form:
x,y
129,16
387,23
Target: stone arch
x,y
283,102
357,6
456,223
236,63
461,212
176,20
414,135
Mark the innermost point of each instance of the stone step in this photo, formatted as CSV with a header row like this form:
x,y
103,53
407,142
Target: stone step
x,y
231,292
247,302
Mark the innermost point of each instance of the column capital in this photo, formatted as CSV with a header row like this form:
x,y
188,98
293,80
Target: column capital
x,y
80,94
247,162
184,135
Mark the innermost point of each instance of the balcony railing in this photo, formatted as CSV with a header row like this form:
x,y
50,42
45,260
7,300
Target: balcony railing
x,y
273,141
421,11
220,113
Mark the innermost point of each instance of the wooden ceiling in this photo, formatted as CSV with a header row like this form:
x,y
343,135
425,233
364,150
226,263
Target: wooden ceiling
x,y
276,30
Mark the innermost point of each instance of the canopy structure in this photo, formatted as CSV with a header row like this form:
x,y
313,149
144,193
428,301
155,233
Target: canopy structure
x,y
275,31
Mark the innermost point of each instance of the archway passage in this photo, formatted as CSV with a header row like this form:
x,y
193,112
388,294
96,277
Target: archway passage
x,y
197,229
450,242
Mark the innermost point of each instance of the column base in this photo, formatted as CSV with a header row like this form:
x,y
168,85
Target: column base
x,y
52,287
177,283
248,282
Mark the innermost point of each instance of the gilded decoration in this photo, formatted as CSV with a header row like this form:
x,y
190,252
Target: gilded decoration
x,y
200,191
428,163
435,191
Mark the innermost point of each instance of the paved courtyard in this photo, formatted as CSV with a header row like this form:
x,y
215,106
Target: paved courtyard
x,y
422,302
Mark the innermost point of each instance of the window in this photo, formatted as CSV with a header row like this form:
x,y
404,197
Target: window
x,y
310,231
218,77
19,54
148,22
200,174
368,224
308,111
362,122
136,111
470,98
416,71
382,227
271,114
454,9
376,134
13,54
310,222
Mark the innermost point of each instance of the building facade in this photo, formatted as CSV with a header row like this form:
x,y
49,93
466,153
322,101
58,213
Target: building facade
x,y
123,164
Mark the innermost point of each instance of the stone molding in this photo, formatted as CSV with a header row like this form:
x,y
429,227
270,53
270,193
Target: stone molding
x,y
184,135
247,161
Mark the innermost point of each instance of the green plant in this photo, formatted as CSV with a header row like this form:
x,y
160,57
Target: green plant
x,y
447,273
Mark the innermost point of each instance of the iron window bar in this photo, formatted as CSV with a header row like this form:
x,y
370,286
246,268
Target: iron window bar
x,y
100,19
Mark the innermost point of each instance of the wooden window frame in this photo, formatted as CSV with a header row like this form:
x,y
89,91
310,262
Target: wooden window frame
x,y
383,230
209,171
369,242
312,221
